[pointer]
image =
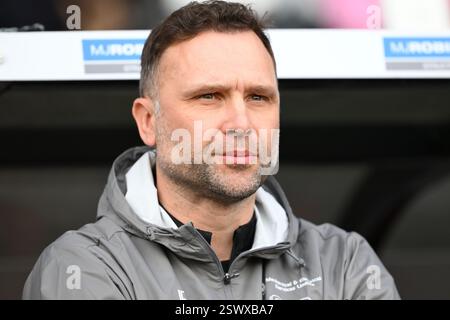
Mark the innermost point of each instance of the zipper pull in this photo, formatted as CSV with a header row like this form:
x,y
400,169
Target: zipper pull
x,y
227,277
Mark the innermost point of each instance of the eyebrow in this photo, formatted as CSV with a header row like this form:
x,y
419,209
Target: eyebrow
x,y
202,89
267,90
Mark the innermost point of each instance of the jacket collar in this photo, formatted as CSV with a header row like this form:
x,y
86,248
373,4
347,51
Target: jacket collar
x,y
130,180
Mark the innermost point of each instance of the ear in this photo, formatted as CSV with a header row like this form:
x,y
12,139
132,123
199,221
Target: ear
x,y
144,114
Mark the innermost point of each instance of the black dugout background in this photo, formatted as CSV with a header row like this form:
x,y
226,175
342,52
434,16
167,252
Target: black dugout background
x,y
368,155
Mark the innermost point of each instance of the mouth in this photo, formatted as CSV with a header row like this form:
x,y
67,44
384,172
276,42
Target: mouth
x,y
239,157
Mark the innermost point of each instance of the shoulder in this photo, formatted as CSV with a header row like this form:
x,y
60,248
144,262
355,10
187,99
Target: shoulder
x,y
77,266
327,234
83,242
333,244
346,258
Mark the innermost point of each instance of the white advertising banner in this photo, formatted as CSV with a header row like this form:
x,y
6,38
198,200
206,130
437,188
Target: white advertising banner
x,y
300,54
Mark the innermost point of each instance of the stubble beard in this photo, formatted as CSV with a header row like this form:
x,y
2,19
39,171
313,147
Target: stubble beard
x,y
206,179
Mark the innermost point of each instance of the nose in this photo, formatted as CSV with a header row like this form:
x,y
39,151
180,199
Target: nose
x,y
237,115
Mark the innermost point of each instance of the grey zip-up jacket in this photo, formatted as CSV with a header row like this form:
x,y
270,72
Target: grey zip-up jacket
x,y
121,256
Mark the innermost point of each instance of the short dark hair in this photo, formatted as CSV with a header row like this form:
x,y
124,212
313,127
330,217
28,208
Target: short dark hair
x,y
189,21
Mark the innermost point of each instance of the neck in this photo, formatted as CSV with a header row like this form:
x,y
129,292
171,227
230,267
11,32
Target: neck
x,y
205,213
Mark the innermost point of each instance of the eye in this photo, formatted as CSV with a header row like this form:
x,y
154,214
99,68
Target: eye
x,y
207,96
257,97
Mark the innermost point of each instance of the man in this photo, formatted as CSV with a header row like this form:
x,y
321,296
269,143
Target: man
x,y
204,220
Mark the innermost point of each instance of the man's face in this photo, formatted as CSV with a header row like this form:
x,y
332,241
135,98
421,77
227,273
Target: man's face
x,y
217,81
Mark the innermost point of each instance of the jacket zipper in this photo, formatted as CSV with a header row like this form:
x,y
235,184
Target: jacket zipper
x,y
227,276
